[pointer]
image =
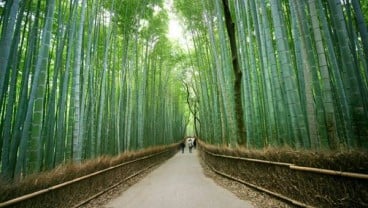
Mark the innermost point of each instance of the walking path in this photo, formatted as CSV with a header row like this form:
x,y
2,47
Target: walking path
x,y
179,183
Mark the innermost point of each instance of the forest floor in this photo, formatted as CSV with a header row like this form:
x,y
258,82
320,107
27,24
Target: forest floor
x,y
183,181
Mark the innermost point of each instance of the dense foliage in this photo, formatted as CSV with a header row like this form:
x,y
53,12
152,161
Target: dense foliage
x,y
80,79
304,72
84,78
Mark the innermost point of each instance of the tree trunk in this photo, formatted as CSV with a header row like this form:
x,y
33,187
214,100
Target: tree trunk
x,y
241,131
78,124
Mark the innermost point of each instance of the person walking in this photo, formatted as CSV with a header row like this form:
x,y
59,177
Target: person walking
x,y
190,145
182,146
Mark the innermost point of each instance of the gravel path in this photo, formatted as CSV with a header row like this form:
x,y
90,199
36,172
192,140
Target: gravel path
x,y
180,183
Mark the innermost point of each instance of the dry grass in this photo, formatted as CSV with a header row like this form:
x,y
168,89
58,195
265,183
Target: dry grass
x,y
69,172
310,188
348,160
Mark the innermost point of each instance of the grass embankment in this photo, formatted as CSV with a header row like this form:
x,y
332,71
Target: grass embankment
x,y
320,190
67,196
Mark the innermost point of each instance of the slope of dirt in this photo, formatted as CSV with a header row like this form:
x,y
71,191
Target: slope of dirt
x,y
258,199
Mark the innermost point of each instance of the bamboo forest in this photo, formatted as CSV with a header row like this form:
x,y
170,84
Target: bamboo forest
x,y
84,78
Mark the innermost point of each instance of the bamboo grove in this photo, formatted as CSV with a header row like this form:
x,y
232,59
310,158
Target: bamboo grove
x,y
85,78
304,67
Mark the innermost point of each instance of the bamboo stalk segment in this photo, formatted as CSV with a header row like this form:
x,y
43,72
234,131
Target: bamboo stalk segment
x,y
330,172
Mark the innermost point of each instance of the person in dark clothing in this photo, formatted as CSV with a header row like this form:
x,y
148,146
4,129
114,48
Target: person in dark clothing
x,y
182,146
195,143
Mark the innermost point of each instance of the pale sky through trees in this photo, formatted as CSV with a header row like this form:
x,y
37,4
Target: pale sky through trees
x,y
176,32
